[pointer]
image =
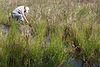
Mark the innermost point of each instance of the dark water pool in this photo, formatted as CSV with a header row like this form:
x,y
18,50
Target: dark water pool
x,y
76,62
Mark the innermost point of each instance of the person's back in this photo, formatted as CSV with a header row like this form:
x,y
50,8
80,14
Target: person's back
x,y
19,10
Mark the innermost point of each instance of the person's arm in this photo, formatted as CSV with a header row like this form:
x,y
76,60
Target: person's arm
x,y
25,18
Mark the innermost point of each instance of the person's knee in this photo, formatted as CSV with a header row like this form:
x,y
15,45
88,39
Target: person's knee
x,y
21,19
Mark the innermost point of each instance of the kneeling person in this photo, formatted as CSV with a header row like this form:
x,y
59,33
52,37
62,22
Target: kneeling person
x,y
19,13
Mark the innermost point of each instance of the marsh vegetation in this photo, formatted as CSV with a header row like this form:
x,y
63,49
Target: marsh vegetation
x,y
63,33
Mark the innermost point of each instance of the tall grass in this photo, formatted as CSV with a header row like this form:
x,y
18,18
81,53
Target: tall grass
x,y
58,28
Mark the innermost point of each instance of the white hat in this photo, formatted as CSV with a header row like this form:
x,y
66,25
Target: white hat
x,y
27,9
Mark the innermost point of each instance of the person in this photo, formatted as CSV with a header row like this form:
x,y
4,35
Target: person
x,y
20,13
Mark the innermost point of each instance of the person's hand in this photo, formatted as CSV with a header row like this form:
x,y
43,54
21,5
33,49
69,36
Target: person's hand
x,y
27,21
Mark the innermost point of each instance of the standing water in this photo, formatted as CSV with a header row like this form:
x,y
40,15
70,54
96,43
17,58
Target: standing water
x,y
3,30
